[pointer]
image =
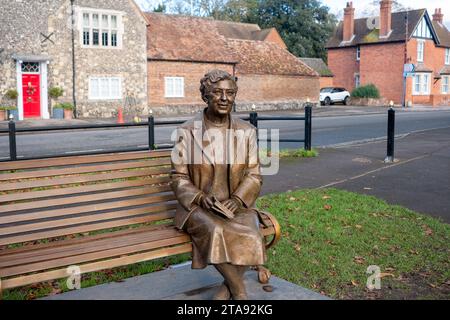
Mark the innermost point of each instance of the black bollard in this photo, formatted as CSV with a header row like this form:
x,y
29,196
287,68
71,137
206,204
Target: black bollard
x,y
308,122
390,136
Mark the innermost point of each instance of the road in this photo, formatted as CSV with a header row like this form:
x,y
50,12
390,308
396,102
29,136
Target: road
x,y
330,130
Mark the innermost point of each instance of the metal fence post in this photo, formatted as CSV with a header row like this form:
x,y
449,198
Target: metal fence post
x,y
308,122
12,140
390,136
151,133
254,119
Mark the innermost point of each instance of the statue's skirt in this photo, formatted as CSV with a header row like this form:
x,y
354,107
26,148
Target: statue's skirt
x,y
216,239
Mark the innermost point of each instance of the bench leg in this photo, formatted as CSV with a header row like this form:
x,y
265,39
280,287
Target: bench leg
x,y
263,274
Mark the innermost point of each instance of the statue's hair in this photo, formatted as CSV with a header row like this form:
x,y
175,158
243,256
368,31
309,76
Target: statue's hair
x,y
214,76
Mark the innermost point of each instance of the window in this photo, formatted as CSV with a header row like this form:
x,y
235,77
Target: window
x,y
421,84
447,56
445,84
100,30
358,53
174,87
357,80
420,50
102,88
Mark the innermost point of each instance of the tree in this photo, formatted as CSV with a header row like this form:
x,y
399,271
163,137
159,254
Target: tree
x,y
373,8
304,25
160,8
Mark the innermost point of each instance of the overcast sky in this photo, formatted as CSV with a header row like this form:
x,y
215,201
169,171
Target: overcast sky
x,y
337,6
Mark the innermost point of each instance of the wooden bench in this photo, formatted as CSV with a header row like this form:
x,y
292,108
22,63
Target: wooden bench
x,y
96,212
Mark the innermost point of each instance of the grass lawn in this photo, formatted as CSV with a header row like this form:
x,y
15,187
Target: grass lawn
x,y
329,239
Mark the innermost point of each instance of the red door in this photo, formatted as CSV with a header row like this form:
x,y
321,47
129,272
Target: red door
x,y
31,95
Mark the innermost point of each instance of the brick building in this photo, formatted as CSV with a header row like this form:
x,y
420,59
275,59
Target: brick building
x,y
98,62
375,50
326,76
182,49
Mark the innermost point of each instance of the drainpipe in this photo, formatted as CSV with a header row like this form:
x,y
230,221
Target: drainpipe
x,y
74,98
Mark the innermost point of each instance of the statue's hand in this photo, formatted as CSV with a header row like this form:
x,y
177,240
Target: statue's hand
x,y
233,204
207,202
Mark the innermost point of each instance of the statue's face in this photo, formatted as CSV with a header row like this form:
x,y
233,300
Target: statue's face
x,y
221,97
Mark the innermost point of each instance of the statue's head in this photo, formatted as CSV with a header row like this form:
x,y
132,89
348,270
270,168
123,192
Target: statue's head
x,y
218,89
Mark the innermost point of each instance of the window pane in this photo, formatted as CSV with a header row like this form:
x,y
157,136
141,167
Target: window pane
x,y
86,37
85,19
95,35
114,38
114,22
169,87
104,38
115,88
104,21
94,88
425,83
417,83
104,88
95,20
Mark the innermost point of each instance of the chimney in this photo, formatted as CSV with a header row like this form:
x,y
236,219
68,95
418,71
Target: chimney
x,y
349,22
385,18
438,16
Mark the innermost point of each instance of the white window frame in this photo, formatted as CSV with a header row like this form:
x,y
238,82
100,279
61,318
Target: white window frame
x,y
170,90
108,96
447,56
118,29
445,85
424,87
420,53
357,82
358,53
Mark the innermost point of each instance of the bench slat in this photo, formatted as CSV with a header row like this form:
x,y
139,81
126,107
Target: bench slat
x,y
63,161
164,214
96,266
160,239
81,210
82,179
81,199
81,189
68,248
84,169
26,250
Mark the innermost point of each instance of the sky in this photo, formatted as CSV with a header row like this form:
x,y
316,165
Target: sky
x,y
337,6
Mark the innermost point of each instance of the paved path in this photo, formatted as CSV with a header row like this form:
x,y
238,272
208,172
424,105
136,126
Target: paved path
x,y
182,283
419,180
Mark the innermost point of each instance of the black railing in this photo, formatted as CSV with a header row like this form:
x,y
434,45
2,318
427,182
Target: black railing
x,y
150,124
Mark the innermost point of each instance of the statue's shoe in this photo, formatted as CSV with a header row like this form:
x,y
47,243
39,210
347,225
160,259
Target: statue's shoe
x,y
223,293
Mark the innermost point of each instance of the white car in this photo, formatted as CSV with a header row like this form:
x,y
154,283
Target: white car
x,y
333,94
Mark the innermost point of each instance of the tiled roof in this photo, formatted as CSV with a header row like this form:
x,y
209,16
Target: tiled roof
x,y
318,65
445,70
186,38
174,37
442,33
261,57
364,35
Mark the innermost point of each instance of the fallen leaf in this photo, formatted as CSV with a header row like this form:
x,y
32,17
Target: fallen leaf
x,y
385,274
297,247
327,207
354,283
432,285
326,197
359,260
428,231
390,269
292,199
358,226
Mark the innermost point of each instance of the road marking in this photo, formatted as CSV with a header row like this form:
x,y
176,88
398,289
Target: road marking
x,y
373,171
95,150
